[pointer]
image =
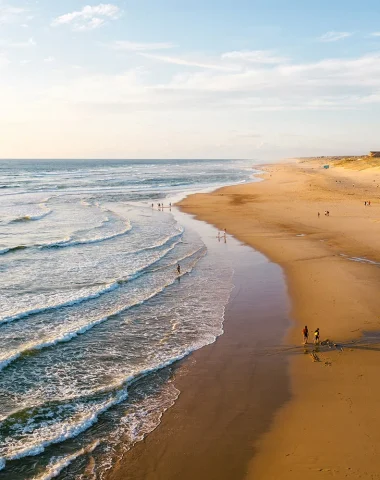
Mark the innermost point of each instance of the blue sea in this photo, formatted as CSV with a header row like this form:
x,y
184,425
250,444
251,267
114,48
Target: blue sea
x,y
92,309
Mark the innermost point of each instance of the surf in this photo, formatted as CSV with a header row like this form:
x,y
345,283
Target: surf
x,y
79,279
81,329
101,291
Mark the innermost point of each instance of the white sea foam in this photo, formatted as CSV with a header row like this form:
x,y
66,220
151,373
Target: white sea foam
x,y
58,464
67,430
103,290
66,381
76,330
57,305
62,431
33,216
47,433
161,243
140,420
71,242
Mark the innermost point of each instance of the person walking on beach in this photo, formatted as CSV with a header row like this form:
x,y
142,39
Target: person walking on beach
x,y
369,203
365,204
305,333
319,214
316,337
179,269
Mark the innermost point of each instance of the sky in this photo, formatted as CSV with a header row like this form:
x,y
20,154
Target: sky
x,y
247,79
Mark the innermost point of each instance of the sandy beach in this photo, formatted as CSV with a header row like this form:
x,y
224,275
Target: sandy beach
x,y
231,389
330,427
281,411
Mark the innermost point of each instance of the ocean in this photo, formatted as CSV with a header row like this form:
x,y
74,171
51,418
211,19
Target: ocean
x,y
93,313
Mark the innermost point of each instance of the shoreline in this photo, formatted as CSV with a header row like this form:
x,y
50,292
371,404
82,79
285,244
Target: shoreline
x,y
338,395
230,389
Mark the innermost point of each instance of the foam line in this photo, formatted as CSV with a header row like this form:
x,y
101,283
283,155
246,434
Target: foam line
x,y
72,431
72,242
69,303
67,336
85,298
58,464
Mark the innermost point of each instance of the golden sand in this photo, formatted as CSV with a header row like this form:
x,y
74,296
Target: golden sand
x,y
331,426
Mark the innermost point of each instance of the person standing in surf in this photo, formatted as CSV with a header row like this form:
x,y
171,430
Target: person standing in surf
x,y
179,269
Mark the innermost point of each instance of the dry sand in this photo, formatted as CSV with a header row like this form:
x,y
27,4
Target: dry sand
x,y
331,427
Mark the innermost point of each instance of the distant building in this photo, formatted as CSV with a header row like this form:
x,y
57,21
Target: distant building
x,y
374,154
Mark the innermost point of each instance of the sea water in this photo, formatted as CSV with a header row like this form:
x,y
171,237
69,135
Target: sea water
x,y
92,309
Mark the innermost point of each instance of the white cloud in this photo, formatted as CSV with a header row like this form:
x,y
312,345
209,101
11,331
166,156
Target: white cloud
x,y
324,85
10,14
140,47
11,44
254,56
189,62
89,18
358,72
334,36
227,62
331,84
336,84
375,34
49,59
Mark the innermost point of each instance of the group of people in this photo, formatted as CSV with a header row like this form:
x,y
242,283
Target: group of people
x,y
305,334
161,206
367,203
327,213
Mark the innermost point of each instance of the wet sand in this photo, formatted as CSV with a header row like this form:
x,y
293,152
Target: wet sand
x,y
230,390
